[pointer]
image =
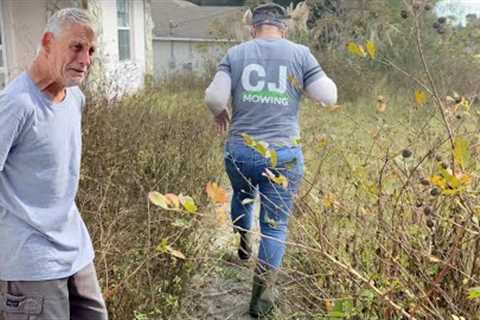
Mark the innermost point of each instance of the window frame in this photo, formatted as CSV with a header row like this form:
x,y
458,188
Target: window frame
x,y
129,7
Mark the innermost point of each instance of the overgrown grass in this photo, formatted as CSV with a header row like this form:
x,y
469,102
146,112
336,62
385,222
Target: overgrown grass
x,y
360,225
386,225
154,140
368,222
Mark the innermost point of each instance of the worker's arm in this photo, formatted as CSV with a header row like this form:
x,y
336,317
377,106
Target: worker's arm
x,y
218,93
323,90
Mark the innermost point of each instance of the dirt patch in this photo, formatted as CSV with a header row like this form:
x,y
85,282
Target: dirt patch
x,y
222,289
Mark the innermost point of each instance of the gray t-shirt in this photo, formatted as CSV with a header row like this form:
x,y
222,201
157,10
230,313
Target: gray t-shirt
x,y
268,77
42,235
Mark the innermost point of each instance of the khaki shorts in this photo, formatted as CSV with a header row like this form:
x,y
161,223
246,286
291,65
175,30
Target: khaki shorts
x,y
75,298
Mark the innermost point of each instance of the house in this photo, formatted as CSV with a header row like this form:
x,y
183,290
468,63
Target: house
x,y
188,38
124,38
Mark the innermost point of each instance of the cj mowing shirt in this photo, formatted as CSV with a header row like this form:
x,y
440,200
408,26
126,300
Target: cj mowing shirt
x,y
268,77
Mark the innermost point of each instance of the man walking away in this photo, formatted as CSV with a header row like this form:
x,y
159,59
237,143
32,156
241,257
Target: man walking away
x,y
265,78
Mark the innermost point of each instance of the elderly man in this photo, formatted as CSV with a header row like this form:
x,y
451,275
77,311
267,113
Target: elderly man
x,y
46,255
265,77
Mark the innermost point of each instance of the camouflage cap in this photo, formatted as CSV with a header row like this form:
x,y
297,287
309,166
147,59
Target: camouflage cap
x,y
270,13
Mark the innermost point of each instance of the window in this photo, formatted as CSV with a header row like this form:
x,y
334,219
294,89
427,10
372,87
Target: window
x,y
124,32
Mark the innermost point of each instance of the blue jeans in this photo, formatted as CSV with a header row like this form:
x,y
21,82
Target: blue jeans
x,y
245,168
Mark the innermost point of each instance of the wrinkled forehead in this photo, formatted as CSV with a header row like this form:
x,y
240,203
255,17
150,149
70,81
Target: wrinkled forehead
x,y
83,33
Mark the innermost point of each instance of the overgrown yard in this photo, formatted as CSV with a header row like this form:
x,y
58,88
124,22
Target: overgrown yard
x,y
386,225
375,231
151,141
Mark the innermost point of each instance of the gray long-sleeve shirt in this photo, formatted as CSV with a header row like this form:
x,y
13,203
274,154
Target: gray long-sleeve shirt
x,y
266,78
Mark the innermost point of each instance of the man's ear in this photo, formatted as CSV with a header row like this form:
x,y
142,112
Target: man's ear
x,y
47,40
253,32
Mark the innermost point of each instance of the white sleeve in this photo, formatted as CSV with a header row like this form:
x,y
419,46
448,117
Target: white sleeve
x,y
323,90
218,92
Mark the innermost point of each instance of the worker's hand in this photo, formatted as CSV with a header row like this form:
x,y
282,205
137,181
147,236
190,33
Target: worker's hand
x,y
222,120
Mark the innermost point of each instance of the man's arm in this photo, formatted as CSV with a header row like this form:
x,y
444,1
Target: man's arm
x,y
323,90
316,83
218,93
10,124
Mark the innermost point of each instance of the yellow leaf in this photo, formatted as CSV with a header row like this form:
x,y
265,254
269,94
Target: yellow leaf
x,y
176,253
216,193
280,179
296,141
249,141
461,152
294,82
371,49
465,179
420,97
322,142
329,305
172,200
381,107
381,104
162,246
273,158
438,181
356,49
158,199
262,148
329,200
188,204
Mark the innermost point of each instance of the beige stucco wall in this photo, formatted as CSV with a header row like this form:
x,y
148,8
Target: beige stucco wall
x,y
123,75
186,56
23,22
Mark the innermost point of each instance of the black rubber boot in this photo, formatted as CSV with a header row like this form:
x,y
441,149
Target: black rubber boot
x,y
245,247
262,301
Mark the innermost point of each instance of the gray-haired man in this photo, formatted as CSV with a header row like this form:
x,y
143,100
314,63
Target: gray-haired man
x,y
46,255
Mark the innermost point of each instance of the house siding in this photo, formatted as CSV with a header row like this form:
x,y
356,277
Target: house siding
x,y
25,20
123,75
23,28
183,56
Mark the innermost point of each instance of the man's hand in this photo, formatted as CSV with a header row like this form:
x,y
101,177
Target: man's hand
x,y
222,120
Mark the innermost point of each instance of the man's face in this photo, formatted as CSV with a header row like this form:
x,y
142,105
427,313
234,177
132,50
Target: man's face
x,y
70,54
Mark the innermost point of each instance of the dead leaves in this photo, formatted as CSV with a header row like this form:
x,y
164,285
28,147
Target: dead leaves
x,y
219,197
216,193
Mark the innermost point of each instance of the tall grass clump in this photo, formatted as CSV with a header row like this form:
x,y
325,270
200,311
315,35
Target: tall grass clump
x,y
387,225
152,140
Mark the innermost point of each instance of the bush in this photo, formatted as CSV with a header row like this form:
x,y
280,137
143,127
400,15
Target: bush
x,y
153,140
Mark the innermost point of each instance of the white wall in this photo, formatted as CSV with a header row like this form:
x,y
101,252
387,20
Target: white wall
x,y
23,21
123,75
182,56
